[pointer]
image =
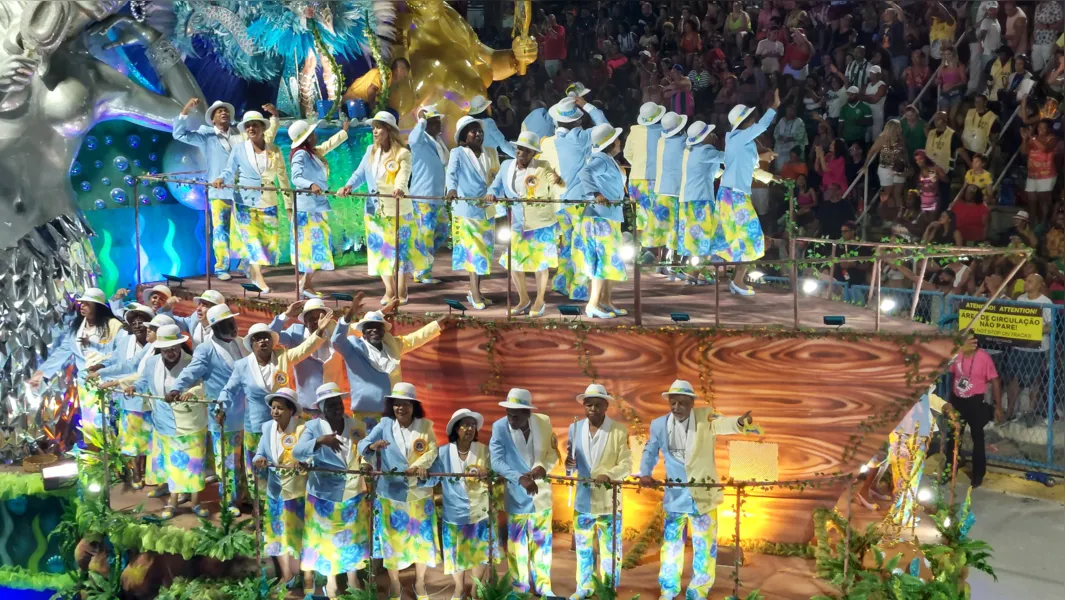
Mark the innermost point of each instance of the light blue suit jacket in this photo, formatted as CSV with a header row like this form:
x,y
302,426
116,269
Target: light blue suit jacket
x,y
391,458
539,122
240,166
368,385
427,168
494,138
327,486
700,169
509,464
741,154
676,499
455,493
309,371
212,369
242,394
163,421
214,152
307,170
667,180
602,175
465,178
573,147
117,366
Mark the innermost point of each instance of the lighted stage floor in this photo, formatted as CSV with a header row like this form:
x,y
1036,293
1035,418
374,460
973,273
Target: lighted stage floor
x,y
770,307
777,577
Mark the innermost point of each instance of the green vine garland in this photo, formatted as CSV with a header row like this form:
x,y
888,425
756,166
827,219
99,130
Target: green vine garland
x,y
334,66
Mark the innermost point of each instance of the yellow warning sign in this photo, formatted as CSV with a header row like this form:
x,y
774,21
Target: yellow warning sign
x,y
1020,326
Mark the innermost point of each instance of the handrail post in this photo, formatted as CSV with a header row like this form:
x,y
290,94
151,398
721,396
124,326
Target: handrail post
x,y
396,258
493,523
105,451
1055,316
614,533
510,256
736,559
794,283
208,235
717,296
636,288
295,245
865,205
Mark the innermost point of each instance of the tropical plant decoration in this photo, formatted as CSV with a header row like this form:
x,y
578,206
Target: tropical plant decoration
x,y
500,589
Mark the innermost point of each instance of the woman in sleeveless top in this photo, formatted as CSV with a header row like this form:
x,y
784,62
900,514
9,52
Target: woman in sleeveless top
x,y
952,82
928,178
892,151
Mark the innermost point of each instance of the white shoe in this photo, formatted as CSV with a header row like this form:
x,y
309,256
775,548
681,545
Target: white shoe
x,y
223,276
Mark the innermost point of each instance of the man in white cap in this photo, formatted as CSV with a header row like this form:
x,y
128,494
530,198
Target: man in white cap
x,y
212,365
855,117
493,137
429,156
302,319
158,297
373,360
662,217
573,146
686,437
215,140
533,224
599,450
875,96
524,450
641,151
196,324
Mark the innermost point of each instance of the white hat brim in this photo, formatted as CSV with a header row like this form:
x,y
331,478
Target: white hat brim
x,y
211,109
139,309
93,300
527,146
558,118
469,414
273,335
229,316
516,405
170,343
742,117
318,401
668,394
386,123
680,127
582,397
362,325
265,123
641,121
698,140
398,397
201,300
481,108
299,409
606,144
306,134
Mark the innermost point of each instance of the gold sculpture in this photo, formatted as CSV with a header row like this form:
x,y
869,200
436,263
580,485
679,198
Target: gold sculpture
x,y
448,63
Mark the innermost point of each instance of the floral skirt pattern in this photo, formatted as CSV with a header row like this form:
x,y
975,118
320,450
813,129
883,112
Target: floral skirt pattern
x,y
92,420
135,432
405,533
738,233
661,221
466,546
474,243
569,280
155,474
185,458
336,535
251,444
597,249
316,253
695,228
221,211
432,226
534,250
283,533
255,233
234,447
381,244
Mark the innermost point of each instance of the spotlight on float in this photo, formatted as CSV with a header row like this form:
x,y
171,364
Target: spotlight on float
x,y
569,310
679,317
628,249
695,261
888,304
864,469
338,297
94,488
809,286
173,279
503,235
59,475
755,276
455,305
251,287
925,495
834,320
946,522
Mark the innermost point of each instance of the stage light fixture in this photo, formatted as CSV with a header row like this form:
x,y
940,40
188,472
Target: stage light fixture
x,y
888,305
809,286
174,279
834,320
59,475
338,297
251,287
755,276
455,305
569,310
679,317
94,488
627,252
946,522
924,495
695,261
864,469
504,235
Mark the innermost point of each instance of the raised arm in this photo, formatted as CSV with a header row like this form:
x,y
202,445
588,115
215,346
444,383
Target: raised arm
x,y
416,339
332,143
311,344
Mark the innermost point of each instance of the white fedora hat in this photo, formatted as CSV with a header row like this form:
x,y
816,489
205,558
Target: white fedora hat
x,y
594,390
299,131
603,135
218,313
386,118
463,122
211,297
739,114
566,111
518,398
672,124
252,116
286,394
326,391
403,391
133,307
94,295
681,387
478,104
159,321
169,336
697,132
430,111
650,113
160,289
257,329
217,105
461,414
577,89
529,139
312,304
374,316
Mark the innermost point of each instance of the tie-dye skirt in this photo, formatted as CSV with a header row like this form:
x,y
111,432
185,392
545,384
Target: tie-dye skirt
x,y
466,546
695,228
738,233
283,534
432,226
597,249
185,461
254,234
315,250
135,432
155,474
534,250
381,244
233,464
569,280
474,244
405,532
336,535
656,215
92,420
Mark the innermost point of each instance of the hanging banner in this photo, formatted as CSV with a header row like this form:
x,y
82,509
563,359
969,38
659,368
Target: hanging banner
x,y
1018,326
